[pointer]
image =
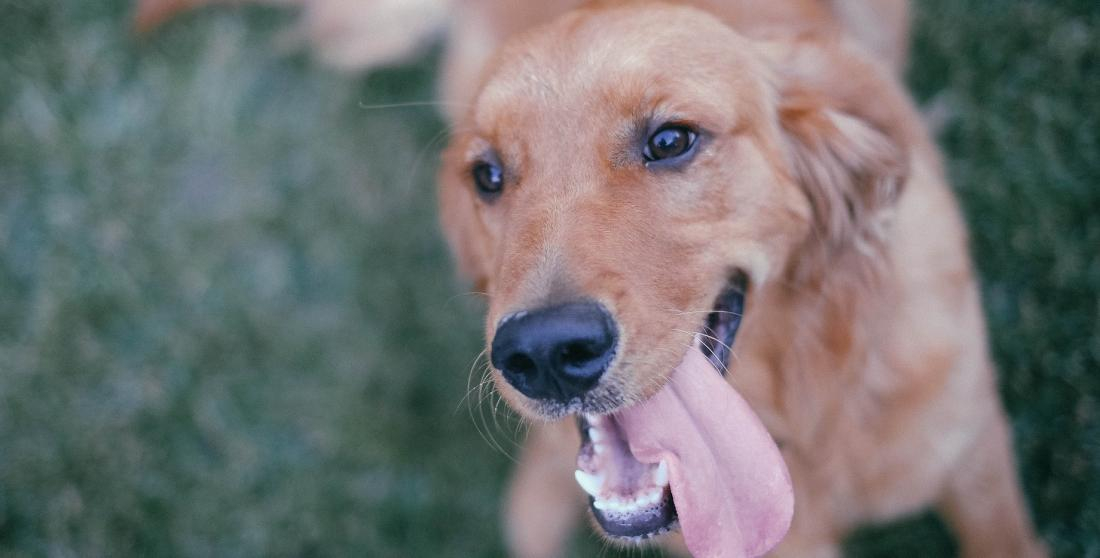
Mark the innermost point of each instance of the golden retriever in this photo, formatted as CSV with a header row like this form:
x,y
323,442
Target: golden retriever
x,y
696,218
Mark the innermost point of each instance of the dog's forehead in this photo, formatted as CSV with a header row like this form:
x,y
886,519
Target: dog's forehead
x,y
609,62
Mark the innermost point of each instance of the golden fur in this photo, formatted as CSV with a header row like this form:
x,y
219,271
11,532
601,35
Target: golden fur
x,y
862,347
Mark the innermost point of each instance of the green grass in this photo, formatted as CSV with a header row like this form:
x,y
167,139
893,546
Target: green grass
x,y
228,325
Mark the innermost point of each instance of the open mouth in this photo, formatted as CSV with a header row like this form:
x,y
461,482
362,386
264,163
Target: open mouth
x,y
630,500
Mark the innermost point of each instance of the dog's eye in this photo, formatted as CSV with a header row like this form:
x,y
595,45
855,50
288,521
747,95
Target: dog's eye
x,y
489,179
669,142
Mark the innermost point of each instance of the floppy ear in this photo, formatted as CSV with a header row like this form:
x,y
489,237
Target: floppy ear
x,y
460,222
847,132
851,172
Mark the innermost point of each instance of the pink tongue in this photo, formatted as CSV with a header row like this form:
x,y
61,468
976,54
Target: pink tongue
x,y
730,486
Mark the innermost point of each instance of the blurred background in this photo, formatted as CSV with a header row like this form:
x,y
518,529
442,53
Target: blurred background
x,y
229,326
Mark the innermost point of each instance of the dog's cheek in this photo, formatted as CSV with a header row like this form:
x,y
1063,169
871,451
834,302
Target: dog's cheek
x,y
466,235
659,330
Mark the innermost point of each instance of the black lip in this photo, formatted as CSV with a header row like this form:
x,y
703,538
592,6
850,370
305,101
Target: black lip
x,y
651,522
723,323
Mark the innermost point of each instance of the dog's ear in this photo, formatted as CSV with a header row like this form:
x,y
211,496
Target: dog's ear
x,y
845,145
461,225
851,172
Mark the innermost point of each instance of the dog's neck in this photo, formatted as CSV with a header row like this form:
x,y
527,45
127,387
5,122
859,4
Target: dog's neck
x,y
805,345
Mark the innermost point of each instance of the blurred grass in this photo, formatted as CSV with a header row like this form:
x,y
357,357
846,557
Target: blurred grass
x,y
228,326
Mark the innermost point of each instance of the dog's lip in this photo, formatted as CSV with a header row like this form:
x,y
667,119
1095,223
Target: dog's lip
x,y
650,522
652,514
717,335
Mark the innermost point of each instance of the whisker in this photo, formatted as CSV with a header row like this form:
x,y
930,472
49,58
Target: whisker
x,y
467,293
486,400
482,433
682,312
470,380
705,336
422,153
724,366
495,401
410,104
482,427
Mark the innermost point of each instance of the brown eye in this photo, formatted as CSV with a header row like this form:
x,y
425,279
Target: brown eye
x,y
669,142
488,178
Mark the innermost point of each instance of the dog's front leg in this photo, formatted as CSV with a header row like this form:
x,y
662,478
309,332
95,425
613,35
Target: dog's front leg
x,y
813,534
983,501
544,501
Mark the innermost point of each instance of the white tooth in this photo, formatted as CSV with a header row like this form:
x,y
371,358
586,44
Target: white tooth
x,y
660,476
593,419
595,435
599,448
655,496
600,504
589,482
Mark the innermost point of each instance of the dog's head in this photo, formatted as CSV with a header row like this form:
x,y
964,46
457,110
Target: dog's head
x,y
628,174
625,172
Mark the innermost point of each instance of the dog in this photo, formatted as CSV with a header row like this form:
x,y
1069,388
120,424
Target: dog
x,y
722,259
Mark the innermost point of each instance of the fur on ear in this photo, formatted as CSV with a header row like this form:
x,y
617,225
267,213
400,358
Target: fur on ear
x,y
851,172
843,122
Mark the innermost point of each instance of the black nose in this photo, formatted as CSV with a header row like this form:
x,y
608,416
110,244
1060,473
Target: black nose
x,y
556,353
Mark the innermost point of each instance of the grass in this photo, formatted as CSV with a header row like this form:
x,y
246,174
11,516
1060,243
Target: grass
x,y
228,325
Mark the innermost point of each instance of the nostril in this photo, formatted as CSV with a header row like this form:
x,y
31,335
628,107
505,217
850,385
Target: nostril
x,y
578,353
582,362
520,363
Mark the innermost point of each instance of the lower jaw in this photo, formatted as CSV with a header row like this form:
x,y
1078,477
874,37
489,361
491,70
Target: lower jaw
x,y
640,526
638,505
